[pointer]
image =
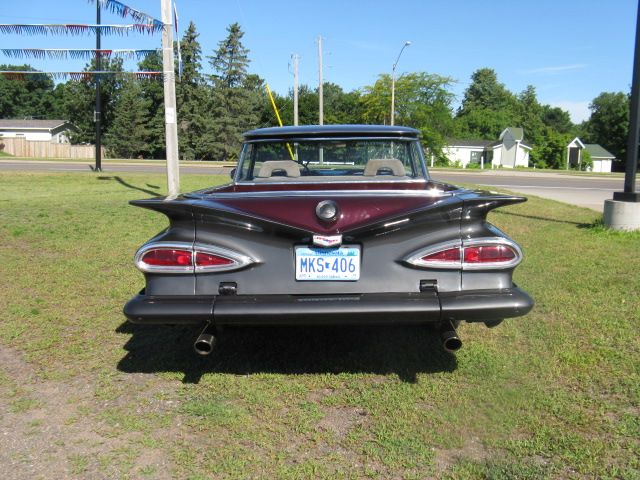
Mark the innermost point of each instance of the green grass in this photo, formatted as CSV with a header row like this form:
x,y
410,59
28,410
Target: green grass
x,y
555,394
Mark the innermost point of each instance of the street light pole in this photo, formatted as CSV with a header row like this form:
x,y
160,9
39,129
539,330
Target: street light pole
x,y
623,211
97,114
393,82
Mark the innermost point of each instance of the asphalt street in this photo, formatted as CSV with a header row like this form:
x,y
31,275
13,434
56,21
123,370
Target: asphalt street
x,y
584,191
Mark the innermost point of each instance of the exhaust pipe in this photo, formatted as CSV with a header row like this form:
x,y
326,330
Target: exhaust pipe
x,y
449,337
206,341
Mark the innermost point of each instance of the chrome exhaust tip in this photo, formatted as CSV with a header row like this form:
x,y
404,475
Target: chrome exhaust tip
x,y
205,342
449,337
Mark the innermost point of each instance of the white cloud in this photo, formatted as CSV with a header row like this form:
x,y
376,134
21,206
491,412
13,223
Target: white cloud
x,y
554,70
579,110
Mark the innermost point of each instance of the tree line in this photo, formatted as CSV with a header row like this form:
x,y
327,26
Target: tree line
x,y
214,109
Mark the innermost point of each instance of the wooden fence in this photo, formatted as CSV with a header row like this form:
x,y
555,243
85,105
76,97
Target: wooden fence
x,y
20,147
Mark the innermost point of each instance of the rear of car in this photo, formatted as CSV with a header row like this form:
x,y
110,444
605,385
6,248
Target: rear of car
x,y
329,225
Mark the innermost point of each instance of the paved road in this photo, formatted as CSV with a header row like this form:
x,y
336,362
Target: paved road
x,y
590,192
584,191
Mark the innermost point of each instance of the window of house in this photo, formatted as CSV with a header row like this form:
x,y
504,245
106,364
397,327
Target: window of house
x,y
476,156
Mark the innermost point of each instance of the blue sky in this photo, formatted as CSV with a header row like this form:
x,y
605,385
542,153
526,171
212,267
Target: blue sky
x,y
569,50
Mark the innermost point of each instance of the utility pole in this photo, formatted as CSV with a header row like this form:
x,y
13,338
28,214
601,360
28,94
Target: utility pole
x,y
296,58
97,114
320,81
170,113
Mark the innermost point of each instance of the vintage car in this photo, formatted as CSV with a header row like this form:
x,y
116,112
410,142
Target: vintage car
x,y
323,225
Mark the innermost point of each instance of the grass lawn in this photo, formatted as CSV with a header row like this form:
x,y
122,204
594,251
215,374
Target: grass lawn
x,y
83,394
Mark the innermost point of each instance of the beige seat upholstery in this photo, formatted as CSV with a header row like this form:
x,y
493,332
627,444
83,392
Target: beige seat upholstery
x,y
290,168
375,164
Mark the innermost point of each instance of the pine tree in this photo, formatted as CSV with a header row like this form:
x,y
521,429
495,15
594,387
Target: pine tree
x,y
131,134
153,94
232,99
192,97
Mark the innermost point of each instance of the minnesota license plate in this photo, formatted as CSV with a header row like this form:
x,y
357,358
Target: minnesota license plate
x,y
342,263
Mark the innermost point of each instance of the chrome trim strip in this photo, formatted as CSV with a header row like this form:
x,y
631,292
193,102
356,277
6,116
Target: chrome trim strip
x,y
431,193
239,260
143,267
328,181
294,138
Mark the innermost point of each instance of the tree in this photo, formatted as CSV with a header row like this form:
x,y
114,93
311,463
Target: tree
x,y
131,134
530,116
557,119
423,101
231,107
78,99
192,97
29,97
551,152
608,124
487,106
153,96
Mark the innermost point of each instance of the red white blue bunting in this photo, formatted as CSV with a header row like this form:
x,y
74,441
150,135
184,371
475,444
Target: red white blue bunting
x,y
125,11
76,54
80,76
78,29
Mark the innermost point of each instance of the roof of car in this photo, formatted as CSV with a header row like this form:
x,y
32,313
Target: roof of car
x,y
321,131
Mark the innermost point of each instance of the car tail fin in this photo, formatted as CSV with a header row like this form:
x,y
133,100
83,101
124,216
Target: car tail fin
x,y
173,209
479,204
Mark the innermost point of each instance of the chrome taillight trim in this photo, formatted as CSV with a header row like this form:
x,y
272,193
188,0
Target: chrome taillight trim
x,y
488,241
144,267
415,258
239,260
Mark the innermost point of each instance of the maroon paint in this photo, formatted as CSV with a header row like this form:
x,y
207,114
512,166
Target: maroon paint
x,y
300,212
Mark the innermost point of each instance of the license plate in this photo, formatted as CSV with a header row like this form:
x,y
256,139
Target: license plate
x,y
341,264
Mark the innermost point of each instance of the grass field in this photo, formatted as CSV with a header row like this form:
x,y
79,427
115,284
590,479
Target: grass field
x,y
83,394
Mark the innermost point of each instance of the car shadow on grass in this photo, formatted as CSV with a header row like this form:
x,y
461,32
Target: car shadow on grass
x,y
535,217
405,351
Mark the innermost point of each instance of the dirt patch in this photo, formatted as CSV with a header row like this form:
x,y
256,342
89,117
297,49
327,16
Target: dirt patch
x,y
472,449
50,430
339,420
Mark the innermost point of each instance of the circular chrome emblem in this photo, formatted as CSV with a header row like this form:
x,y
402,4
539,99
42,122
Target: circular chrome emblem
x,y
327,210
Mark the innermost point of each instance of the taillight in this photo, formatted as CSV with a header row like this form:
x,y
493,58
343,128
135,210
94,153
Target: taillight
x,y
489,254
445,256
168,258
164,257
204,259
474,254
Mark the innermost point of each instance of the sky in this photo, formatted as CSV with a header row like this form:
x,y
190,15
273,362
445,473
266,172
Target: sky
x,y
569,50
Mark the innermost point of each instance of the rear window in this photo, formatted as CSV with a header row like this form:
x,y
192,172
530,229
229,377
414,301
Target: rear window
x,y
339,160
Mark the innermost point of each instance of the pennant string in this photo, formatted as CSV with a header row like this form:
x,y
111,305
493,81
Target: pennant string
x,y
76,54
78,29
125,11
82,76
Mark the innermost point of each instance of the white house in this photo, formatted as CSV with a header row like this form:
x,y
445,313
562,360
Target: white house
x,y
508,151
602,159
54,131
467,151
